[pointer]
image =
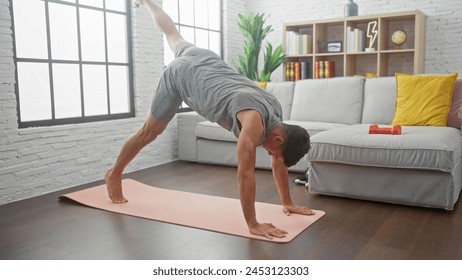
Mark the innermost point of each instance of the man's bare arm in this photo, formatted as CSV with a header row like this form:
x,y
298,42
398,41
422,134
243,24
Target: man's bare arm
x,y
281,178
251,132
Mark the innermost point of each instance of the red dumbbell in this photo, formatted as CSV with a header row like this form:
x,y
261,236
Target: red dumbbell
x,y
394,130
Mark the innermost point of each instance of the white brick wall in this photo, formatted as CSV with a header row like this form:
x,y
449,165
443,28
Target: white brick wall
x,y
232,37
35,161
444,23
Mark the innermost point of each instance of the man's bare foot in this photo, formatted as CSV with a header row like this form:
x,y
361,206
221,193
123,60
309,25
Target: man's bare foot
x,y
114,187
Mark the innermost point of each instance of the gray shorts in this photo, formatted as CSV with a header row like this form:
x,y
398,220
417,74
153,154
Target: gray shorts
x,y
167,99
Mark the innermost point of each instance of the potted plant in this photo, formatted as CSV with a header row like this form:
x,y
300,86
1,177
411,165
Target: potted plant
x,y
254,31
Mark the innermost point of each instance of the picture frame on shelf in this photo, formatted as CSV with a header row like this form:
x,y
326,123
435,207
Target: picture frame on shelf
x,y
334,46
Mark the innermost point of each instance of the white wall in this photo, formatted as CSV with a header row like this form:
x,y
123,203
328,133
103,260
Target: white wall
x,y
232,37
444,23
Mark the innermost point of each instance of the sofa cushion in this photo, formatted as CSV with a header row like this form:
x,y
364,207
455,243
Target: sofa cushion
x,y
315,127
423,99
379,100
284,93
213,131
418,147
334,100
455,113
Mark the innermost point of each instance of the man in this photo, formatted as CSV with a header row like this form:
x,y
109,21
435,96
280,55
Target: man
x,y
208,85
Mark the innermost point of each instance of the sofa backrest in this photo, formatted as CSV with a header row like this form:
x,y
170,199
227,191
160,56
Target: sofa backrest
x,y
334,100
284,92
346,100
379,100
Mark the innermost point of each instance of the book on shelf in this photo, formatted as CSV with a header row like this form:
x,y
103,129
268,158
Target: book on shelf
x,y
356,40
324,69
304,70
298,43
297,70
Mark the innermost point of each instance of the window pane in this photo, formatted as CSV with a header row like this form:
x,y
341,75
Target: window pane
x,y
66,85
116,38
30,29
202,38
94,3
214,14
34,91
171,8
117,5
118,89
95,91
186,12
63,29
92,35
187,33
200,14
215,43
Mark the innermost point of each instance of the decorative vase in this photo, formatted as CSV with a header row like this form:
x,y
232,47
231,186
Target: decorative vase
x,y
350,8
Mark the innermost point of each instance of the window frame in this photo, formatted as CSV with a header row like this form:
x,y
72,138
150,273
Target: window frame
x,y
80,62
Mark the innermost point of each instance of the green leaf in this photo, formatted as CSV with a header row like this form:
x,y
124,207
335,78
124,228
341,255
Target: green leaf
x,y
254,32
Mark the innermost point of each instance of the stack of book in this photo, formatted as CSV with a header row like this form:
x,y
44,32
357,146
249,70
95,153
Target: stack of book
x,y
324,69
297,70
299,43
356,40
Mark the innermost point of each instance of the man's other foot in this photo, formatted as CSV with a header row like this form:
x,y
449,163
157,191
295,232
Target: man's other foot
x,y
114,187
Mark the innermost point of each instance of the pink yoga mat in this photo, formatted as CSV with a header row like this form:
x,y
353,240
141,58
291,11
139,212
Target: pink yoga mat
x,y
194,210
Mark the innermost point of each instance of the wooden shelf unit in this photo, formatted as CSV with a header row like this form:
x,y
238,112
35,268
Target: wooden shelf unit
x,y
386,60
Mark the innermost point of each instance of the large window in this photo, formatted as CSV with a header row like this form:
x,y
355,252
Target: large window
x,y
73,60
199,22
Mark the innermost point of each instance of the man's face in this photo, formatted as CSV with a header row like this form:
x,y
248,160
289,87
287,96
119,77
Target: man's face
x,y
273,147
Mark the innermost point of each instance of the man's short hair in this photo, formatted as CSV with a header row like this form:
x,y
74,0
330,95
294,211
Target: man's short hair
x,y
296,143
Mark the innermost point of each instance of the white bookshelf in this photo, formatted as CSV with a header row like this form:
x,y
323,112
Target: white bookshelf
x,y
387,58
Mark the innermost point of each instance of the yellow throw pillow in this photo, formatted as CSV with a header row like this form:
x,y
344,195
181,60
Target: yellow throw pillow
x,y
423,99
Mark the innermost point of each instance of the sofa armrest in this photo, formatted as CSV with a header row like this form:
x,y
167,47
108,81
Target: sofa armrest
x,y
187,135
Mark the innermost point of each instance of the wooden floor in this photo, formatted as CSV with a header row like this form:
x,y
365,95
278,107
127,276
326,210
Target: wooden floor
x,y
44,228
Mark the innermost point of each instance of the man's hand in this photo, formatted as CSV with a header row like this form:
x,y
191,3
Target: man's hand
x,y
268,230
292,208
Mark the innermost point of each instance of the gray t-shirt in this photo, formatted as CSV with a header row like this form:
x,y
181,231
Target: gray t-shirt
x,y
216,91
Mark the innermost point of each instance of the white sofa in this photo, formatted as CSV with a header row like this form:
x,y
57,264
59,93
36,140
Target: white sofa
x,y
421,167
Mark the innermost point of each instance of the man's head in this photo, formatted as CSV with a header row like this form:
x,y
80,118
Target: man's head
x,y
291,142
296,143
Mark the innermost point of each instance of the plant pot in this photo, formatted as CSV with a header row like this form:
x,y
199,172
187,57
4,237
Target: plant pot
x,y
262,85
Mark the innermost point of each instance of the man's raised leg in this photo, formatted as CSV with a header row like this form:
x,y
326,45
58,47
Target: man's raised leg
x,y
164,23
137,141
